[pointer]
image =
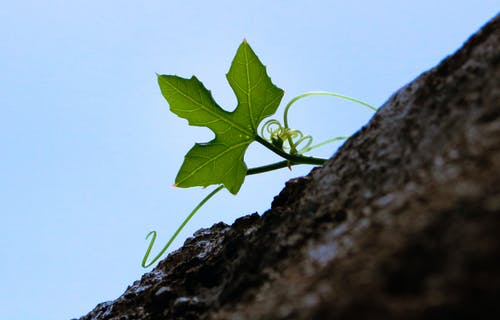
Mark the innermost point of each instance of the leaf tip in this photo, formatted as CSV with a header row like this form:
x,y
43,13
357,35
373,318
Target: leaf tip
x,y
174,185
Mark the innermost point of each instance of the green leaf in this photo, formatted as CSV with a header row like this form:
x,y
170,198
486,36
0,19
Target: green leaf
x,y
220,161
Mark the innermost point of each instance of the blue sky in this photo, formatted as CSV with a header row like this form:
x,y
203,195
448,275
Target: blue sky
x,y
89,149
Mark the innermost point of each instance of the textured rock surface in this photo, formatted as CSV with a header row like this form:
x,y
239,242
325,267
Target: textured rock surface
x,y
402,223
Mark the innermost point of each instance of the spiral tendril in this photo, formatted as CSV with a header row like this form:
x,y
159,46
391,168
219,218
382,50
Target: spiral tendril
x,y
285,138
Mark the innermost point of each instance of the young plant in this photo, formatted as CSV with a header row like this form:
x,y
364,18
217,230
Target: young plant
x,y
220,161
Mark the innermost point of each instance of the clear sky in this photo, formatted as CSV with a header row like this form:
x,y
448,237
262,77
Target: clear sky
x,y
89,149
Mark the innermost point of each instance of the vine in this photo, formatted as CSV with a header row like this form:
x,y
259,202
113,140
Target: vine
x,y
220,161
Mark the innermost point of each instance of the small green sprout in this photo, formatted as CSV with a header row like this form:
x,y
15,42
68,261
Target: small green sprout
x,y
220,161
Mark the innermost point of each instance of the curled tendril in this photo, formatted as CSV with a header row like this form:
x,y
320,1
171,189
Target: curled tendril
x,y
285,138
146,264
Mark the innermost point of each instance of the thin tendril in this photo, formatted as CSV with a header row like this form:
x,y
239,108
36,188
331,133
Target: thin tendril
x,y
151,243
307,149
309,94
307,138
322,93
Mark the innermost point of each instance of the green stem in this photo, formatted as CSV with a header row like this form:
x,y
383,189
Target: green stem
x,y
151,243
296,159
271,167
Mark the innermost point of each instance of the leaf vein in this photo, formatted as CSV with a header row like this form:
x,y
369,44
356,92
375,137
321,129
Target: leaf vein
x,y
213,159
211,112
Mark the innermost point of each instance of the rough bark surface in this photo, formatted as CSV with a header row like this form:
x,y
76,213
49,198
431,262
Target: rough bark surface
x,y
402,223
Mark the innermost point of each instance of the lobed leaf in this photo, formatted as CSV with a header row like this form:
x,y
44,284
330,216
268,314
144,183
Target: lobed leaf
x,y
221,161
